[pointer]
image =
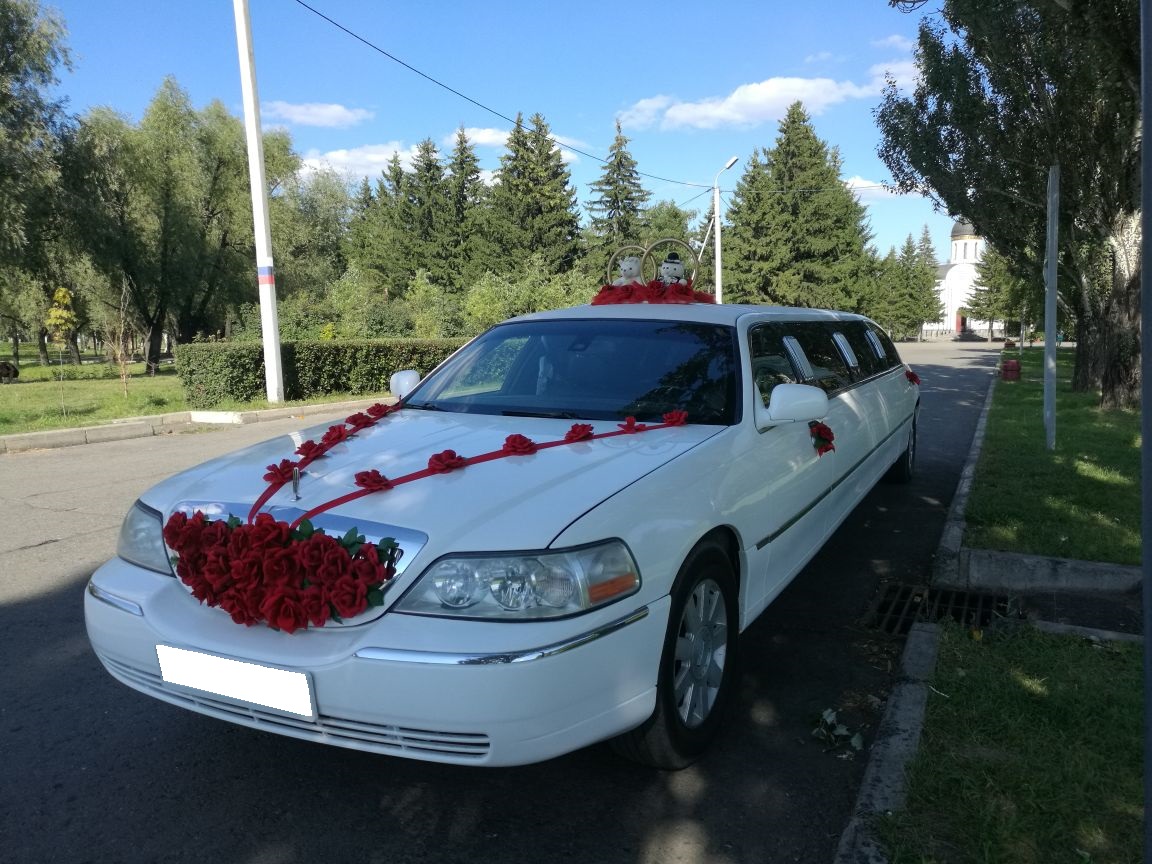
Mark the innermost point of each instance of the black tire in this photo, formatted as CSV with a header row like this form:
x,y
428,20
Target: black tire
x,y
904,468
698,667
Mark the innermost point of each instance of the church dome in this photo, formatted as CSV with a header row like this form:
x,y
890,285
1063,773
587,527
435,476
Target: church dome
x,y
963,228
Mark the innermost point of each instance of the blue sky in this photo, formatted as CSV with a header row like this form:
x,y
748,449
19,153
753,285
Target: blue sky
x,y
692,84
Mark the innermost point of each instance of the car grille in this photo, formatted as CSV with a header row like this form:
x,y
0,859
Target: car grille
x,y
373,737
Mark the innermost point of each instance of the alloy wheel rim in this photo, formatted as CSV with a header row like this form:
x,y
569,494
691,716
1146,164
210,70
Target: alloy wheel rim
x,y
701,652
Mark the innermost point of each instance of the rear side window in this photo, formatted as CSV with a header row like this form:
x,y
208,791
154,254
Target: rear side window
x,y
856,335
830,372
891,358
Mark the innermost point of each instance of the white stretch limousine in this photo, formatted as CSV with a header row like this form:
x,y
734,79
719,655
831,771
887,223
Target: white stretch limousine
x,y
553,539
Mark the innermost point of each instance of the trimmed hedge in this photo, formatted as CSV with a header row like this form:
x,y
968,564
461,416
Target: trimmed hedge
x,y
215,372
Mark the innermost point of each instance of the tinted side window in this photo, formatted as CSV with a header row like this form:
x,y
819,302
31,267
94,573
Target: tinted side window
x,y
829,371
855,333
891,357
770,363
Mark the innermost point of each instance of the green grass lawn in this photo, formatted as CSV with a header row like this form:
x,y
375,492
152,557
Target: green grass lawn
x,y
93,393
1081,500
1031,754
1032,743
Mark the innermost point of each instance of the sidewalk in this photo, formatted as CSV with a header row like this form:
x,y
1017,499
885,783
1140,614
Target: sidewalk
x,y
167,424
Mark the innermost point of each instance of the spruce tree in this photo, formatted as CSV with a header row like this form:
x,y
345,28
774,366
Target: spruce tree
x,y
467,213
798,236
534,204
428,233
617,211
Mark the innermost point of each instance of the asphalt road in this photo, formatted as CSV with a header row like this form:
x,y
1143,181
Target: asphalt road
x,y
91,771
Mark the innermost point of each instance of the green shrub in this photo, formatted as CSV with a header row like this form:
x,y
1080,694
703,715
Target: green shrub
x,y
215,372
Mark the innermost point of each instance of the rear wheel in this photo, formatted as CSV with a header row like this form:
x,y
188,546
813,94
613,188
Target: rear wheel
x,y
904,467
698,667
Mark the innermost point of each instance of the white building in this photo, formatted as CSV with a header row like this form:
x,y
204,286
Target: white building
x,y
955,280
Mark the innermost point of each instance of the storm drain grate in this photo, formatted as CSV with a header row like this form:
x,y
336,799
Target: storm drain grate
x,y
898,606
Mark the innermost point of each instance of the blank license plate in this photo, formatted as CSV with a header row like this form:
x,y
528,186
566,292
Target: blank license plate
x,y
249,682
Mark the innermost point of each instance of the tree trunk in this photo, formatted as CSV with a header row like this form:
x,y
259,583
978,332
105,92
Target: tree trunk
x,y
155,334
1120,373
74,348
42,346
15,345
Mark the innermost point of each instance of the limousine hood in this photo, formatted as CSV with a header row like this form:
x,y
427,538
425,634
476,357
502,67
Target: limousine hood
x,y
515,502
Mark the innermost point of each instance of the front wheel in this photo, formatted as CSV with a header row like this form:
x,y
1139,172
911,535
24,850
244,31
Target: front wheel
x,y
698,666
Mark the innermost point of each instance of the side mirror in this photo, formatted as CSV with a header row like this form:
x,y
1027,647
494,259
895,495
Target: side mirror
x,y
791,403
403,383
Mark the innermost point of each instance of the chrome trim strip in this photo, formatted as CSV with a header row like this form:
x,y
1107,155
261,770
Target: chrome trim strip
x,y
112,600
446,659
775,534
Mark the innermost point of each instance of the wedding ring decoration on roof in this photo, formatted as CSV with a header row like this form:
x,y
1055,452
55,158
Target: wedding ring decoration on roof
x,y
671,282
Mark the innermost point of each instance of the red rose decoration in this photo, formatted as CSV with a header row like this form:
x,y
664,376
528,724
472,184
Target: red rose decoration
x,y
349,596
630,425
281,473
359,421
518,445
912,377
578,432
676,418
381,410
311,450
283,611
315,605
372,480
335,435
267,531
445,461
822,438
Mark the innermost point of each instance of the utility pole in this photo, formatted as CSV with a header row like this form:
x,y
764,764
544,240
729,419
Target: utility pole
x,y
265,273
719,275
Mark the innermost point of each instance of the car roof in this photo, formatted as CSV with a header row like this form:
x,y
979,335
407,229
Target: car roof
x,y
705,313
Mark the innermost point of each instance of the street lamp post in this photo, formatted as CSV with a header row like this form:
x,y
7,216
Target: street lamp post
x,y
716,217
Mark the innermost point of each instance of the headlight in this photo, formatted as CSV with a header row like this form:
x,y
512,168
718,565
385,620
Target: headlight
x,y
142,540
525,585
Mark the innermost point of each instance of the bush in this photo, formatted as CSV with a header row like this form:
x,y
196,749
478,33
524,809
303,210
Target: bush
x,y
216,372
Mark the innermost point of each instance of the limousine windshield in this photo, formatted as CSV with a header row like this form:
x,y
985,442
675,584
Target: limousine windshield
x,y
595,370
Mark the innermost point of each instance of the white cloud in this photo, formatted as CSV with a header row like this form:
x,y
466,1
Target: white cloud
x,y
764,101
367,161
869,190
489,137
903,72
821,57
315,114
897,42
485,137
644,113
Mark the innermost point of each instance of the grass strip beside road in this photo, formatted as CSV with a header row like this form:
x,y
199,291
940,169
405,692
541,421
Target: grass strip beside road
x,y
1081,500
92,394
1031,752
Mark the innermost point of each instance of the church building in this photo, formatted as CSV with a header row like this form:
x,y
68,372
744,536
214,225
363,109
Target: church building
x,y
955,280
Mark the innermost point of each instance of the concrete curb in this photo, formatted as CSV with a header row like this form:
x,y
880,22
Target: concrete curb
x,y
883,788
988,570
946,568
162,424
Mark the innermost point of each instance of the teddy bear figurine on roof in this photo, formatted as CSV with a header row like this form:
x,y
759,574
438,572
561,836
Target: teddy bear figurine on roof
x,y
629,267
672,270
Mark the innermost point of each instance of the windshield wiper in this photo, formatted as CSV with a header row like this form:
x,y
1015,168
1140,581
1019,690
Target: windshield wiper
x,y
423,406
552,415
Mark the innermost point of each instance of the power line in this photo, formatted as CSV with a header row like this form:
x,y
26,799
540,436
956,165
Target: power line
x,y
478,104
